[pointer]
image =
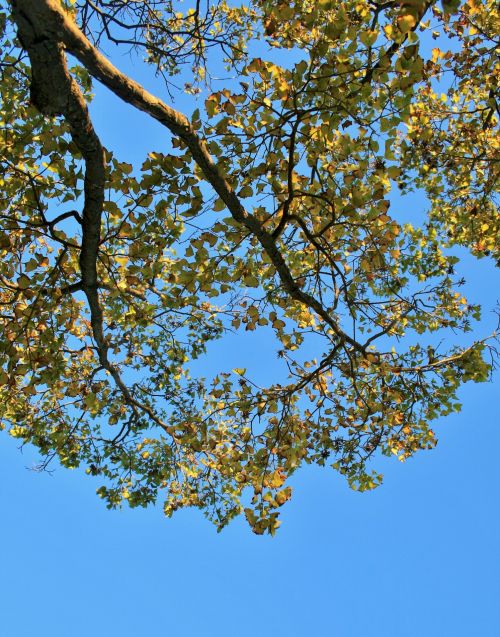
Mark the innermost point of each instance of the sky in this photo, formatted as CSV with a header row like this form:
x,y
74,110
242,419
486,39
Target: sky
x,y
420,556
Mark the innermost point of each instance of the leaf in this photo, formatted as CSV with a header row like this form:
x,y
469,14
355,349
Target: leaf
x,y
406,23
211,105
219,205
369,37
23,282
276,479
246,191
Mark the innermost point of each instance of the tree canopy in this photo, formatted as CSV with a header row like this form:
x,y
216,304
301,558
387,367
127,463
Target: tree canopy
x,y
269,211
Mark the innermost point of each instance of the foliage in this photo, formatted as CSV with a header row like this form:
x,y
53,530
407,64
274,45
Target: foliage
x,y
271,213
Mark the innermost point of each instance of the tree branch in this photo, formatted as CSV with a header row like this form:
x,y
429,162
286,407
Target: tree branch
x,y
59,25
55,92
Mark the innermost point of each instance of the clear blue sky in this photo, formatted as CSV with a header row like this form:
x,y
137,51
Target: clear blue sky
x,y
418,557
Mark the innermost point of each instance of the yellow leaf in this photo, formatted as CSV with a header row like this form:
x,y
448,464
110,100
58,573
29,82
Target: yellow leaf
x,y
276,478
122,260
406,23
282,496
368,38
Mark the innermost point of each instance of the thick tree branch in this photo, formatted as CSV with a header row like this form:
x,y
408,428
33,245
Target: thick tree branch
x,y
55,92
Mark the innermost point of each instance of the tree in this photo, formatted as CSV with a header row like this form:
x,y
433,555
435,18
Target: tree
x,y
270,213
